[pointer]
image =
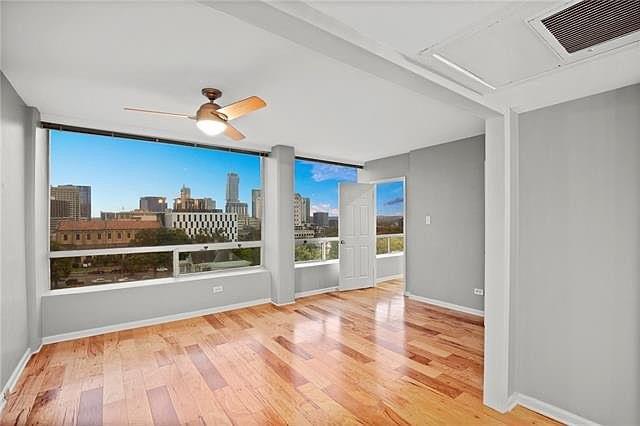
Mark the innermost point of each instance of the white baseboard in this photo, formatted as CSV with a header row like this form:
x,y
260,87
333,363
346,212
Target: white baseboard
x,y
389,277
447,305
315,292
17,372
548,410
282,304
151,321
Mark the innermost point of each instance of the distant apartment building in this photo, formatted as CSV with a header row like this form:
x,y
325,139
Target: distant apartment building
x,y
300,233
153,204
256,203
69,202
98,233
239,208
187,204
301,209
193,223
131,215
321,218
78,197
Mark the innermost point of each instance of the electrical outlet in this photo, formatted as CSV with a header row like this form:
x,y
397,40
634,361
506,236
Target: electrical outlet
x,y
218,289
478,291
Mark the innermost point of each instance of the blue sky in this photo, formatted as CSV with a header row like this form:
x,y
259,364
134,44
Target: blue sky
x,y
390,198
319,181
120,171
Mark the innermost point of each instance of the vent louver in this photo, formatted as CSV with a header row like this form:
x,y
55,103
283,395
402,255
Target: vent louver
x,y
591,22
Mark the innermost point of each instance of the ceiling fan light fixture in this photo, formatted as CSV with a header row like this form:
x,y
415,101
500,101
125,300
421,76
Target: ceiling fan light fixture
x,y
211,126
208,121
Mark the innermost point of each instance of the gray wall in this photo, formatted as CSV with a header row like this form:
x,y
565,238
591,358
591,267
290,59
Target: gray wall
x,y
445,260
13,293
66,312
577,294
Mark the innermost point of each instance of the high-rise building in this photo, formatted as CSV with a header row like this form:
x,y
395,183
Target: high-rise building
x,y
233,185
239,208
256,203
185,192
306,202
69,194
85,201
153,204
78,196
301,210
321,218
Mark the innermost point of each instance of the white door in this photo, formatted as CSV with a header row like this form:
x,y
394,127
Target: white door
x,y
357,231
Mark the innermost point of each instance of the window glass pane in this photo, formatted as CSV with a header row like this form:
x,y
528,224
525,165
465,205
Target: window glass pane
x,y
107,269
316,209
396,244
215,260
141,193
382,245
390,208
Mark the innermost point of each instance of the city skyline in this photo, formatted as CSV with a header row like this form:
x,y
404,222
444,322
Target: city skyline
x,y
121,171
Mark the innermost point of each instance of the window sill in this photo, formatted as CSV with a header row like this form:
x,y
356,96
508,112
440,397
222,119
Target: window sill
x,y
160,281
401,253
316,263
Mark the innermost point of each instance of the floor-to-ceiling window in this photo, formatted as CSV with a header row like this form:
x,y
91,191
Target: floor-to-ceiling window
x,y
316,209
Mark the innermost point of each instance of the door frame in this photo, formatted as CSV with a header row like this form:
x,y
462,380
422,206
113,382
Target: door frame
x,y
402,179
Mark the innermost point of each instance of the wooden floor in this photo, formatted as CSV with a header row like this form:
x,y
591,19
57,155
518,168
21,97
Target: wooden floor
x,y
367,356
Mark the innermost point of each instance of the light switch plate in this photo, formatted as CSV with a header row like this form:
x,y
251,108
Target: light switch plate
x,y
427,220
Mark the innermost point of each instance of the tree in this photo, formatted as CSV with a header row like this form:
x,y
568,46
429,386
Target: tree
x,y
305,252
160,237
61,268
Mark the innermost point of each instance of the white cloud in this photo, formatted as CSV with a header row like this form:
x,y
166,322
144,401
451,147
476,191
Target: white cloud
x,y
324,207
321,172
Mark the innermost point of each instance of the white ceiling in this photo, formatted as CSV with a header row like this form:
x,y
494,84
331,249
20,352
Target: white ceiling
x,y
80,63
494,41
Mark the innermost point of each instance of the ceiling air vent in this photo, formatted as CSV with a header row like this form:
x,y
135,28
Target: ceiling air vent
x,y
591,22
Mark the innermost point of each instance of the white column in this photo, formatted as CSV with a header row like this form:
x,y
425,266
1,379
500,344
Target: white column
x,y
278,223
37,229
501,143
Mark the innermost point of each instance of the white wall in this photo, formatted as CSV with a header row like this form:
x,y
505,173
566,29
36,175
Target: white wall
x,y
13,292
577,294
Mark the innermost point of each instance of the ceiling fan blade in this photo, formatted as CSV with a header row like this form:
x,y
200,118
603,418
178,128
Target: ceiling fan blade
x,y
233,133
243,107
173,114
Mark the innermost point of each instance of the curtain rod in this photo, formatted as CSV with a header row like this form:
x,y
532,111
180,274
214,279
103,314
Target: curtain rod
x,y
76,129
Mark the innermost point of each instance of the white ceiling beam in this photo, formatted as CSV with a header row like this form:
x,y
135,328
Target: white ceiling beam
x,y
308,27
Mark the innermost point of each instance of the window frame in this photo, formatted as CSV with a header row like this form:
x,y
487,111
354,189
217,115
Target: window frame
x,y
174,249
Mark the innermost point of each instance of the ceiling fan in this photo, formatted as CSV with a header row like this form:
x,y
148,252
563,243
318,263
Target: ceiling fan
x,y
211,118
